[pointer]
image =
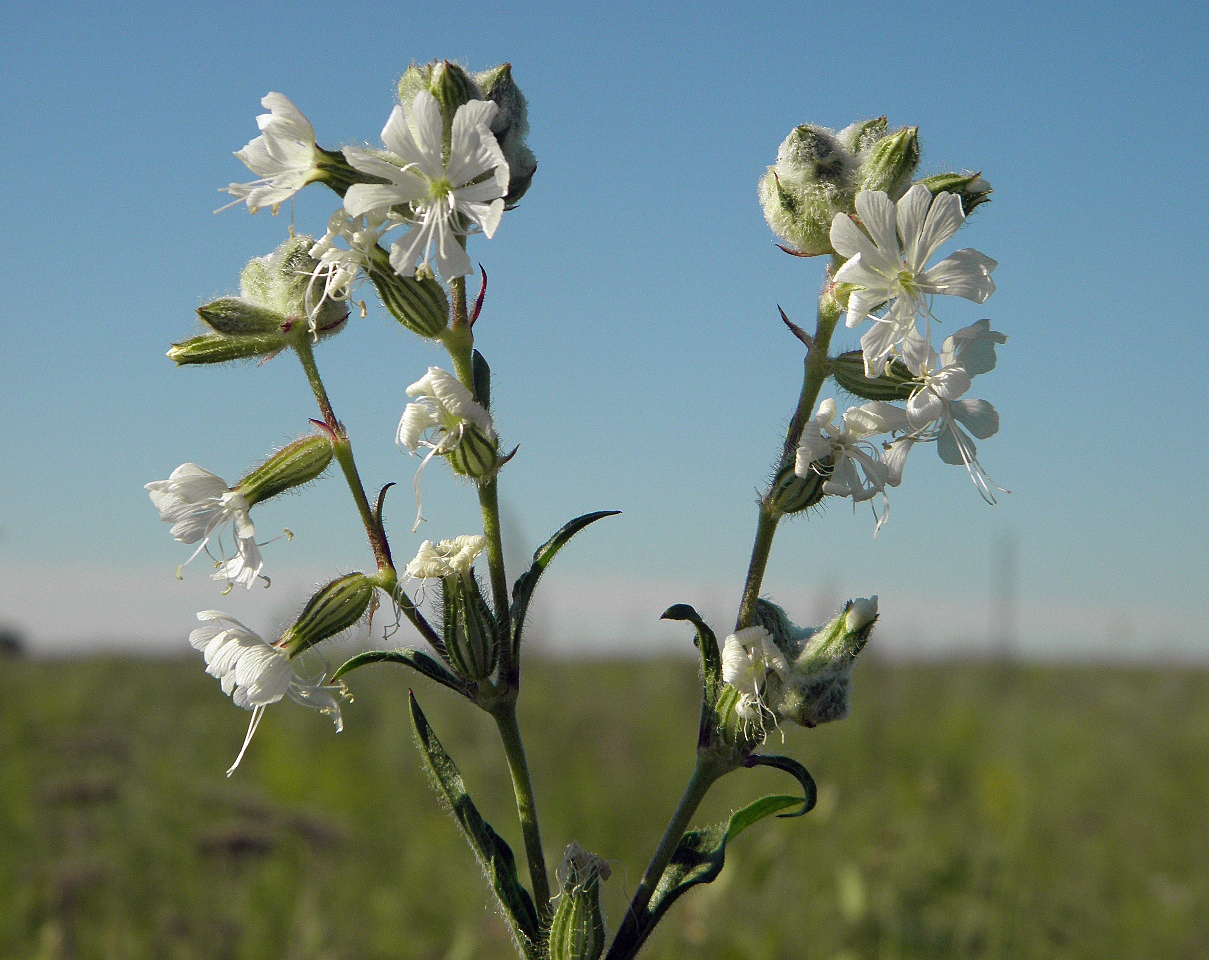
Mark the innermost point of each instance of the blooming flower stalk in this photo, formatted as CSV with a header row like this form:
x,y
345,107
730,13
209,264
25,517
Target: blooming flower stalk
x,y
255,674
200,505
284,156
441,200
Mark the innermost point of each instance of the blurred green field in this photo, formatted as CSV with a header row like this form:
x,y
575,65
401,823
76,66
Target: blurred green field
x,y
966,810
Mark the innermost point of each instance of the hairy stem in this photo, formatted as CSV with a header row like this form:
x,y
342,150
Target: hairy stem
x,y
705,773
818,367
343,451
526,803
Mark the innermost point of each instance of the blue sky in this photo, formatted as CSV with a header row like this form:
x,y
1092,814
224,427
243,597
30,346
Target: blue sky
x,y
631,318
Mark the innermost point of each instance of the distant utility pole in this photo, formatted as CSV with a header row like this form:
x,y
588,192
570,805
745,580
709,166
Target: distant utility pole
x,y
1004,640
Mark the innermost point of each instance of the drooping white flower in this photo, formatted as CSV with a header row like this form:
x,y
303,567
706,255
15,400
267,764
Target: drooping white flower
x,y
255,674
750,662
858,471
284,156
936,411
442,201
443,416
888,265
200,505
343,253
444,559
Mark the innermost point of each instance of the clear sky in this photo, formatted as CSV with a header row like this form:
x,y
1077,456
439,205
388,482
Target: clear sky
x,y
631,319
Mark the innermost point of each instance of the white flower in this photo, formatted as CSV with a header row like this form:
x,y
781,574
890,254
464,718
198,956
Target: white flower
x,y
862,612
857,471
936,412
435,560
444,200
750,661
888,266
254,673
443,404
341,269
443,412
285,156
199,505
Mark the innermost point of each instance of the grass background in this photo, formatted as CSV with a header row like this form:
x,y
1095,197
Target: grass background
x,y
966,810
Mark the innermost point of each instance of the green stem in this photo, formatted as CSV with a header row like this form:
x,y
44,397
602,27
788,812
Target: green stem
x,y
489,503
526,804
818,368
705,773
343,451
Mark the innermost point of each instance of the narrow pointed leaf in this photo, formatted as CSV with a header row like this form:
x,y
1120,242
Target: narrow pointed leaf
x,y
522,590
795,770
420,662
707,643
699,858
493,854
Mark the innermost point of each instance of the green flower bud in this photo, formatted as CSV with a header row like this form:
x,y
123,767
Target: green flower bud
x,y
419,303
236,317
451,85
510,126
295,464
335,607
469,627
817,686
890,163
577,931
793,494
216,348
897,382
860,136
970,187
811,182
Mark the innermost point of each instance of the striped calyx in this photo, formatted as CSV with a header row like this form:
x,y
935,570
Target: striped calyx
x,y
577,931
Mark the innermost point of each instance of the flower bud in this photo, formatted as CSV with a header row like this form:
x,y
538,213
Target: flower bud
x,y
419,302
817,685
577,931
897,382
793,494
335,607
810,183
236,317
469,627
295,464
860,136
216,348
890,163
449,84
970,187
510,126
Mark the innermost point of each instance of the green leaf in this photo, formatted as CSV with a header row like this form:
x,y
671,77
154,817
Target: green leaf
x,y
707,643
699,858
420,662
480,376
522,590
494,855
794,769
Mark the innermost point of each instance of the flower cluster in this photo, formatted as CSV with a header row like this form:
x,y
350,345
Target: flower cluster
x,y
886,279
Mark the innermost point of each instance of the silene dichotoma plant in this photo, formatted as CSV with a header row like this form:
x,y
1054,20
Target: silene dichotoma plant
x,y
454,162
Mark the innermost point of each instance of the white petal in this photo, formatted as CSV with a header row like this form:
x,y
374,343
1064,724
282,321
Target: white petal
x,y
978,415
943,220
877,213
967,273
